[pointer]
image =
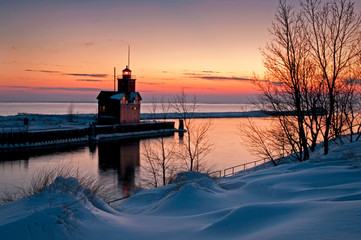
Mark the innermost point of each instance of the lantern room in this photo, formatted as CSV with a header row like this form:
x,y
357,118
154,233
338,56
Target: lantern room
x,y
127,73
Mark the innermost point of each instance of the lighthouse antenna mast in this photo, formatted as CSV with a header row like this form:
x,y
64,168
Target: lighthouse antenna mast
x,y
115,77
129,56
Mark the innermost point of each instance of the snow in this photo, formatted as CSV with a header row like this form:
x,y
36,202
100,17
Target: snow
x,y
316,199
174,115
51,121
42,122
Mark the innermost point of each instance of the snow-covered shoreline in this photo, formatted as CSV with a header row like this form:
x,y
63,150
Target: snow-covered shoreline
x,y
32,123
204,115
316,199
54,119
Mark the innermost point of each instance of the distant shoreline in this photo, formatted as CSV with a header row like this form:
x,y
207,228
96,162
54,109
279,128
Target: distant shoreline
x,y
149,116
146,102
15,108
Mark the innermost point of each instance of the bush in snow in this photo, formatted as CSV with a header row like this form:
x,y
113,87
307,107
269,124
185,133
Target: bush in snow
x,y
46,176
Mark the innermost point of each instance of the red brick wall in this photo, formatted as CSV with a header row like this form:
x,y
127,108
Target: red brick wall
x,y
131,85
130,113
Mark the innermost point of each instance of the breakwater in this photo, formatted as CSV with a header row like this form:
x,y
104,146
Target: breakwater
x,y
25,138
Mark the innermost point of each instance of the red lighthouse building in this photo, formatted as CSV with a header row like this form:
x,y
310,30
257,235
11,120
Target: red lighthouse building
x,y
122,106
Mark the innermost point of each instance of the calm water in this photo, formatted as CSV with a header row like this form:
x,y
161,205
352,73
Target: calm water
x,y
120,162
13,108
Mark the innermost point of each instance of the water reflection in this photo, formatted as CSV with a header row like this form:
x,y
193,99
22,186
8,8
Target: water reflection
x,y
114,162
30,153
124,158
119,161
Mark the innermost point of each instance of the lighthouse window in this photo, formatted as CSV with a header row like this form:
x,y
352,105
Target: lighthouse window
x,y
101,108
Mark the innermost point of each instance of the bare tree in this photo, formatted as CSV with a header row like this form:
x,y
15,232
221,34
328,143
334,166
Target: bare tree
x,y
289,71
264,142
351,108
356,113
196,146
152,109
334,38
311,54
185,107
70,112
159,153
160,167
315,113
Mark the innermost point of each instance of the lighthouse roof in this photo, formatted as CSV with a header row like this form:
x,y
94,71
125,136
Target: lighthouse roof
x,y
117,96
105,94
127,69
133,95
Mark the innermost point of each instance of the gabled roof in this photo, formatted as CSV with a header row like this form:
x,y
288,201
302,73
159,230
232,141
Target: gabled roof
x,y
133,95
127,69
118,96
106,94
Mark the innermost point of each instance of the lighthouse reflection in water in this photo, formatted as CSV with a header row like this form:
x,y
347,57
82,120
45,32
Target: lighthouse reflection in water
x,y
122,157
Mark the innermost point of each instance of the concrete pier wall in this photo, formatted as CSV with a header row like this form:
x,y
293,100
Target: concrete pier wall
x,y
21,139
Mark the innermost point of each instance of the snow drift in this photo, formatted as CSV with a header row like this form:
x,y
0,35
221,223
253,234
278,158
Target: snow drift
x,y
317,199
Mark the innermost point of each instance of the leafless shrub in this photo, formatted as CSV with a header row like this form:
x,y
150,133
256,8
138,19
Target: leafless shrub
x,y
160,167
196,145
163,158
70,112
47,175
264,142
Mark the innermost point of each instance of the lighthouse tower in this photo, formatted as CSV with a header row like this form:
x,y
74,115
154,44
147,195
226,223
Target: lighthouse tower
x,y
122,106
126,84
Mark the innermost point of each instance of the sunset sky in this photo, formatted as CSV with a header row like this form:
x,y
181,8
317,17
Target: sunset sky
x,y
65,50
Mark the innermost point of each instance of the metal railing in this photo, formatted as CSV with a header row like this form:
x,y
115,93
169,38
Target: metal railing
x,y
16,129
238,168
242,167
216,174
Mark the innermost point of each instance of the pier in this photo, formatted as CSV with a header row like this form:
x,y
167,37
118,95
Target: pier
x,y
15,138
